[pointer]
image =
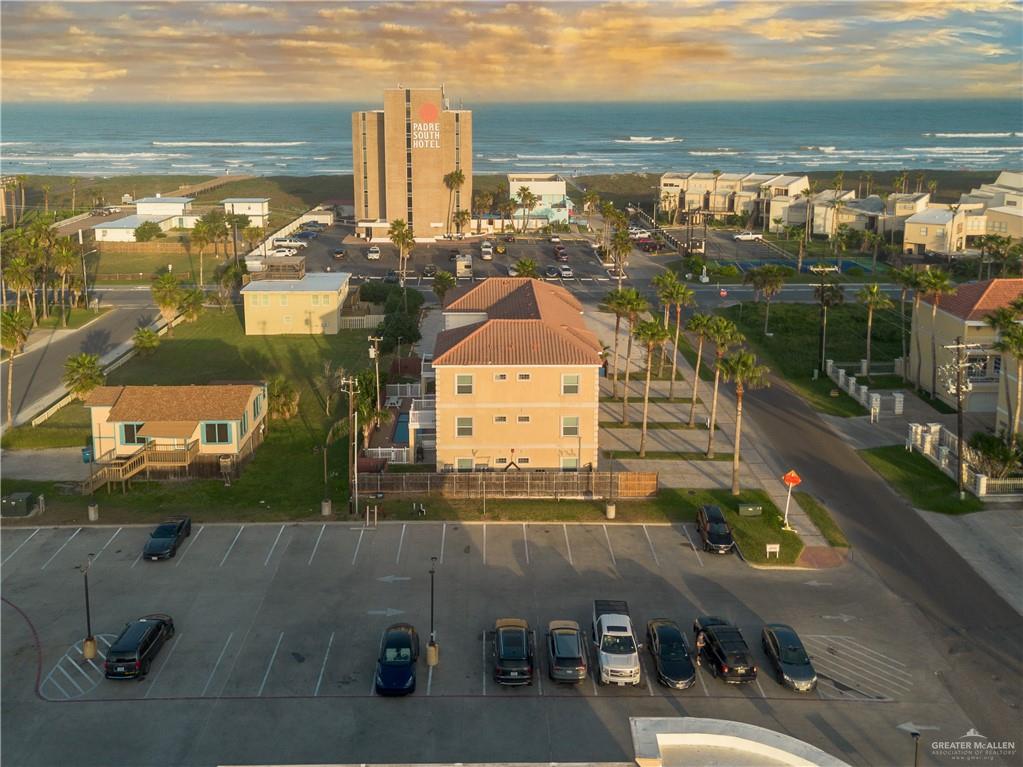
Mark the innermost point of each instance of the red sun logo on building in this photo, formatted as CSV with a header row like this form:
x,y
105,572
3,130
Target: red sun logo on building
x,y
428,112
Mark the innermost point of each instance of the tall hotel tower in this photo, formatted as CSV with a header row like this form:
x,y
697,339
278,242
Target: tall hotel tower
x,y
402,153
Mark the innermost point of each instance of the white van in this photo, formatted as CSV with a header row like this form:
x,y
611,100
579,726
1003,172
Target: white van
x,y
289,242
486,251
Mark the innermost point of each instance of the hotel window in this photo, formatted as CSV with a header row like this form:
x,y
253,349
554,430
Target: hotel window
x,y
325,299
501,461
130,434
316,299
570,426
463,384
463,426
500,376
996,366
500,419
522,461
570,384
570,464
524,376
523,419
216,433
923,231
463,464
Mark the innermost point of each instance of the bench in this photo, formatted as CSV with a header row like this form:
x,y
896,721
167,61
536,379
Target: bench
x,y
773,548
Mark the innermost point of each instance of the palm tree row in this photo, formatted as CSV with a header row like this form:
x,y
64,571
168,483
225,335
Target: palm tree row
x,y
38,262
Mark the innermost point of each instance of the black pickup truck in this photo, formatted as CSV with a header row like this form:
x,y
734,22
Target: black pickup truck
x,y
725,652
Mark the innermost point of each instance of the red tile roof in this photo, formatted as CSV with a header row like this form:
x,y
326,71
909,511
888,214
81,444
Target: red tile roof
x,y
172,403
529,322
975,300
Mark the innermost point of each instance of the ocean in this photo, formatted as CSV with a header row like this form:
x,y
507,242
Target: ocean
x,y
569,138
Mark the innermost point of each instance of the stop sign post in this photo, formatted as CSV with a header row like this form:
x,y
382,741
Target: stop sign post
x,y
791,479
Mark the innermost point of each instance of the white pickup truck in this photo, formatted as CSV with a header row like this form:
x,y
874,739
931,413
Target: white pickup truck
x,y
615,643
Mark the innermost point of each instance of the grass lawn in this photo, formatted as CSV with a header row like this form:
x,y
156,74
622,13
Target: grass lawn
x,y
752,534
822,518
920,481
679,425
68,427
792,349
687,351
888,382
668,455
76,318
289,196
142,267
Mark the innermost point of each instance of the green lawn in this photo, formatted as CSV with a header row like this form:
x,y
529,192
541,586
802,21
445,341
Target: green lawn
x,y
76,318
791,350
752,534
920,481
289,196
142,267
822,519
68,427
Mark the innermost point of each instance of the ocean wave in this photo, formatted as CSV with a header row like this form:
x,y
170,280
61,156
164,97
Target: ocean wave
x,y
127,155
712,154
14,143
998,134
828,149
961,149
551,157
191,165
229,143
323,157
649,140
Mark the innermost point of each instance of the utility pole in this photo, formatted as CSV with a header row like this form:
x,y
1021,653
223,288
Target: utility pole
x,y
350,386
822,269
374,354
89,644
956,384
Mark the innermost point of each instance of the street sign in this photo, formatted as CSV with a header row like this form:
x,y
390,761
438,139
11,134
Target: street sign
x,y
791,479
723,293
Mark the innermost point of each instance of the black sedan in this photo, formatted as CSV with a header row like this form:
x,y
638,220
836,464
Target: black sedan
x,y
792,665
714,530
552,271
338,254
429,270
566,651
396,666
667,645
513,652
725,652
164,540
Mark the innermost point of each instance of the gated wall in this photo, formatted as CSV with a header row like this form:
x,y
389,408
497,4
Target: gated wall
x,y
515,484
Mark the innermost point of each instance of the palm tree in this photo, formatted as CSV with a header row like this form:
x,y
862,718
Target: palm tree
x,y
281,399
591,202
767,281
526,267
168,294
369,417
21,180
932,188
699,324
200,238
724,334
870,182
874,299
74,196
742,368
191,306
14,329
635,306
82,374
442,283
621,247
252,234
65,260
652,334
401,237
461,218
663,282
906,279
453,181
827,295
145,340
18,275
527,201
236,222
936,283
41,239
507,209
1010,341
46,198
484,201
608,215
616,302
808,193
681,296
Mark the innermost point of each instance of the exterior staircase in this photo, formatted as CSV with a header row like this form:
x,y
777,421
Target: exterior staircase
x,y
147,457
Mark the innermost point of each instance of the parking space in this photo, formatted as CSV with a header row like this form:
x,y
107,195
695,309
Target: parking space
x,y
296,611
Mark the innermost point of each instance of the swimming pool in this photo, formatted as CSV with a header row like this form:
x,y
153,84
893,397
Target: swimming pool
x,y
400,436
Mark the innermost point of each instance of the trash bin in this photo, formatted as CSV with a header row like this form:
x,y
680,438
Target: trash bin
x,y
87,454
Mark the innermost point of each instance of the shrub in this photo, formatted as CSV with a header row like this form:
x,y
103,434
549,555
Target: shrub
x,y
374,292
856,271
396,302
148,231
398,325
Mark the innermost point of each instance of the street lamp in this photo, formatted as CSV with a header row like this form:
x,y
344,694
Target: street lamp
x,y
374,354
432,649
916,748
89,645
823,269
957,386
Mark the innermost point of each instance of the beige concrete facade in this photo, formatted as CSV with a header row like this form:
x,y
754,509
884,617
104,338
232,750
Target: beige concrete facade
x,y
401,155
286,307
534,417
1005,221
937,229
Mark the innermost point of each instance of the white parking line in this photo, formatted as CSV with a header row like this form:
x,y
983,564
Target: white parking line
x,y
76,532
859,675
319,679
216,666
651,544
568,545
78,667
762,693
78,649
270,665
51,680
270,553
316,545
166,660
70,678
106,544
525,542
357,545
850,645
8,557
699,675
692,545
443,536
103,639
229,548
139,559
198,533
429,680
593,679
614,562
484,543
401,542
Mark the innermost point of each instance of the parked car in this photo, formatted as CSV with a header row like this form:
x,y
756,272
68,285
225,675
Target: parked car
x,y
725,652
99,212
453,255
513,652
314,226
338,254
747,237
566,652
565,271
552,272
396,664
560,248
486,251
509,238
290,242
667,645
132,653
305,234
714,530
785,651
282,252
164,540
373,254
501,249
561,255
555,238
391,278
513,271
429,270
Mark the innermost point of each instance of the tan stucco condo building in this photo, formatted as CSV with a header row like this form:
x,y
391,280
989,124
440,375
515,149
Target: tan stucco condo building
x,y
401,154
311,304
517,379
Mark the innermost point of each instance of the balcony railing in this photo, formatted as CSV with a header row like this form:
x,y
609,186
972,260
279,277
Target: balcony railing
x,y
423,414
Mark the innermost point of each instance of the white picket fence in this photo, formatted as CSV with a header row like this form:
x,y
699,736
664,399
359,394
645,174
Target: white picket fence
x,y
403,390
941,447
365,322
392,454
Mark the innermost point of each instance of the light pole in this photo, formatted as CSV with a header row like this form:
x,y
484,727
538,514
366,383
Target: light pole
x,y
822,269
89,645
916,748
374,354
432,650
957,386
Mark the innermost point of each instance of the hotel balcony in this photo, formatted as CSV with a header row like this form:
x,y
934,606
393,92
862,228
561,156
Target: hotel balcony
x,y
423,414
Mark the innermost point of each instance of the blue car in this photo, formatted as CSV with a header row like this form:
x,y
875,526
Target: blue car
x,y
305,234
396,666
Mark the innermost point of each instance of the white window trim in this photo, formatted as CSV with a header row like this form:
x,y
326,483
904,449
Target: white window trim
x,y
578,425
472,425
523,419
472,385
578,384
504,419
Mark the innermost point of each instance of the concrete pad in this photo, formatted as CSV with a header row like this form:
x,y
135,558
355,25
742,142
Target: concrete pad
x,y
62,464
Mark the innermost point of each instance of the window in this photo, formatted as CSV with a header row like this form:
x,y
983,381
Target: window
x,y
500,419
501,461
524,376
996,365
923,231
570,384
130,434
523,419
216,433
940,232
570,426
500,376
316,299
522,461
570,464
257,405
245,423
463,464
463,426
284,300
325,299
463,384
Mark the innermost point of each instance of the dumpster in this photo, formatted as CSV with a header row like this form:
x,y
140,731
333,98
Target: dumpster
x,y
17,505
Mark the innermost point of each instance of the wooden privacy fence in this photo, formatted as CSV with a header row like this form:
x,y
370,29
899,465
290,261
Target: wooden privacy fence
x,y
515,484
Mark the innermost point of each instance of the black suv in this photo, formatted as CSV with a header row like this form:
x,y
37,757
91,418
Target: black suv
x,y
513,652
164,540
725,652
714,530
131,655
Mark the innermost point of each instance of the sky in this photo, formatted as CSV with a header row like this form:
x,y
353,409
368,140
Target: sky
x,y
702,50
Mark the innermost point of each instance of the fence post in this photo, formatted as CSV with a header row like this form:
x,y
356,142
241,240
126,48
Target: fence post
x,y
981,485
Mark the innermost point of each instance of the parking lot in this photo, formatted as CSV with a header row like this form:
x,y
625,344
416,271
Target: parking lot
x,y
278,628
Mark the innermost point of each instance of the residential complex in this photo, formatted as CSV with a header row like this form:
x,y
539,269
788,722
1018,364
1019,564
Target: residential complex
x,y
401,155
553,205
517,379
762,194
177,213
283,299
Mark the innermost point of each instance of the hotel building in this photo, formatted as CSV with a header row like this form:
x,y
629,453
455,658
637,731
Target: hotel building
x,y
401,154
